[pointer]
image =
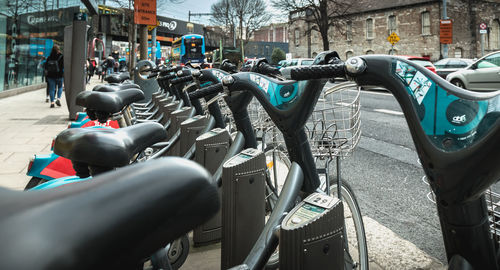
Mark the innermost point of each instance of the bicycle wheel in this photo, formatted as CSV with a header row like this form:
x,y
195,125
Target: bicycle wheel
x,y
278,165
356,251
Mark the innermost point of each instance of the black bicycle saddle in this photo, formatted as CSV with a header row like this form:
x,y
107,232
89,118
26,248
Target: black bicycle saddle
x,y
117,78
109,222
108,102
115,87
106,147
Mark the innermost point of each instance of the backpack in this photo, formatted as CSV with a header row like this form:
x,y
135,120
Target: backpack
x,y
53,65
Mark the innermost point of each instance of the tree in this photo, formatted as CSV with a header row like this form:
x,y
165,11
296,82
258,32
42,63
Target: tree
x,y
247,15
319,15
277,55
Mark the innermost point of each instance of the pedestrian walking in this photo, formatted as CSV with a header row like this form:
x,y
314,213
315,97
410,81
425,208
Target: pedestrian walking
x,y
54,67
110,64
99,69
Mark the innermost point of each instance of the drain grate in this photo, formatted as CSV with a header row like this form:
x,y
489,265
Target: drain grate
x,y
52,120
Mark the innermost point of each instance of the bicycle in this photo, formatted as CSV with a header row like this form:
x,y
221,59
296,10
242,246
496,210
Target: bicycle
x,y
450,152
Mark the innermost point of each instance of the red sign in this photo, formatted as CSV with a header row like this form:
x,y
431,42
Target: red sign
x,y
446,31
145,12
483,26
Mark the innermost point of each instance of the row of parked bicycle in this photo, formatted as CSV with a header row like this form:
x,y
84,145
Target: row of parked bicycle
x,y
244,158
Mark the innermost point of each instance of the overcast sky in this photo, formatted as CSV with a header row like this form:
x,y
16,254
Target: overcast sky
x,y
180,11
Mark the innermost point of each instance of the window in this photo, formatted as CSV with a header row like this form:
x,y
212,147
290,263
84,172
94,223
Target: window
x,y
458,53
370,52
369,28
426,23
494,35
348,30
297,37
348,54
391,24
490,61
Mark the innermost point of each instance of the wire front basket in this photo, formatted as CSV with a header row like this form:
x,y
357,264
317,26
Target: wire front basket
x,y
334,126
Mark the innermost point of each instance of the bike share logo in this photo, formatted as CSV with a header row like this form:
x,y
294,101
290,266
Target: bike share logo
x,y
461,112
459,119
261,82
170,25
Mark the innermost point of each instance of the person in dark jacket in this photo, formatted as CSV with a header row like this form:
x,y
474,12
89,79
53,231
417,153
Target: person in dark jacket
x,y
54,67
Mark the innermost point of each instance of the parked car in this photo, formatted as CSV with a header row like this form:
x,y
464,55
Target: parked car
x,y
281,63
423,61
482,75
297,62
449,65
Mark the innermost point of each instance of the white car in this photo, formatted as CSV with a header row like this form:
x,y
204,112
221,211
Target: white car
x,y
482,75
297,62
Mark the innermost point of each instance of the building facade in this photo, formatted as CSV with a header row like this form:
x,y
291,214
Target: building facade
x,y
366,28
276,32
260,49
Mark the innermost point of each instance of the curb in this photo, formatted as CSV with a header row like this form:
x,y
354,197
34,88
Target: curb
x,y
20,90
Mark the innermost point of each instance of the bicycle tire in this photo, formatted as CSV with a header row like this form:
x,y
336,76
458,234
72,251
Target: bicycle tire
x,y
33,182
349,200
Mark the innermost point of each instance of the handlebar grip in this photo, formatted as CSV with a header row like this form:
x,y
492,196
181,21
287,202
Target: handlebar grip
x,y
167,77
229,67
212,89
265,69
317,72
181,80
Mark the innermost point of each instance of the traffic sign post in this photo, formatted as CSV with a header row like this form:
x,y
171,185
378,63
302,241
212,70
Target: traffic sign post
x,y
483,30
393,39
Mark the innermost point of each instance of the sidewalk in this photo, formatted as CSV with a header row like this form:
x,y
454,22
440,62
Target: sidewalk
x,y
28,125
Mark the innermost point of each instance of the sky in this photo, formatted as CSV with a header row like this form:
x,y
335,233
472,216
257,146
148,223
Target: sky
x,y
180,11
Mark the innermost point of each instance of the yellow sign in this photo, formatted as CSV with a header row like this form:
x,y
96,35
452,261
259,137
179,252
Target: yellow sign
x,y
151,27
393,38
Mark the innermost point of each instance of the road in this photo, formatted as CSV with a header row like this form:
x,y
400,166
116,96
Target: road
x,y
387,178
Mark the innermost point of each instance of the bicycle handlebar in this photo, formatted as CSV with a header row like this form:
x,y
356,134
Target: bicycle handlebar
x,y
314,72
212,89
266,69
181,80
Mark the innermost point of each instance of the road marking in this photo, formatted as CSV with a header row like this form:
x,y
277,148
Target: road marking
x,y
388,111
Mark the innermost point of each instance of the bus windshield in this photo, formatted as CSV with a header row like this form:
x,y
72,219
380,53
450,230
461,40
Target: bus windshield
x,y
193,48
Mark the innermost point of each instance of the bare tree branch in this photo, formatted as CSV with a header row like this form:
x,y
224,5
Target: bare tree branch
x,y
320,15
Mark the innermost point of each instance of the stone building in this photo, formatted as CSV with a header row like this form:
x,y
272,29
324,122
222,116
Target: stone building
x,y
367,26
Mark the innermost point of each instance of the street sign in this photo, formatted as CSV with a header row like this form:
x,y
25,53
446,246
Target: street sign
x,y
151,27
483,26
483,31
145,12
445,31
393,38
